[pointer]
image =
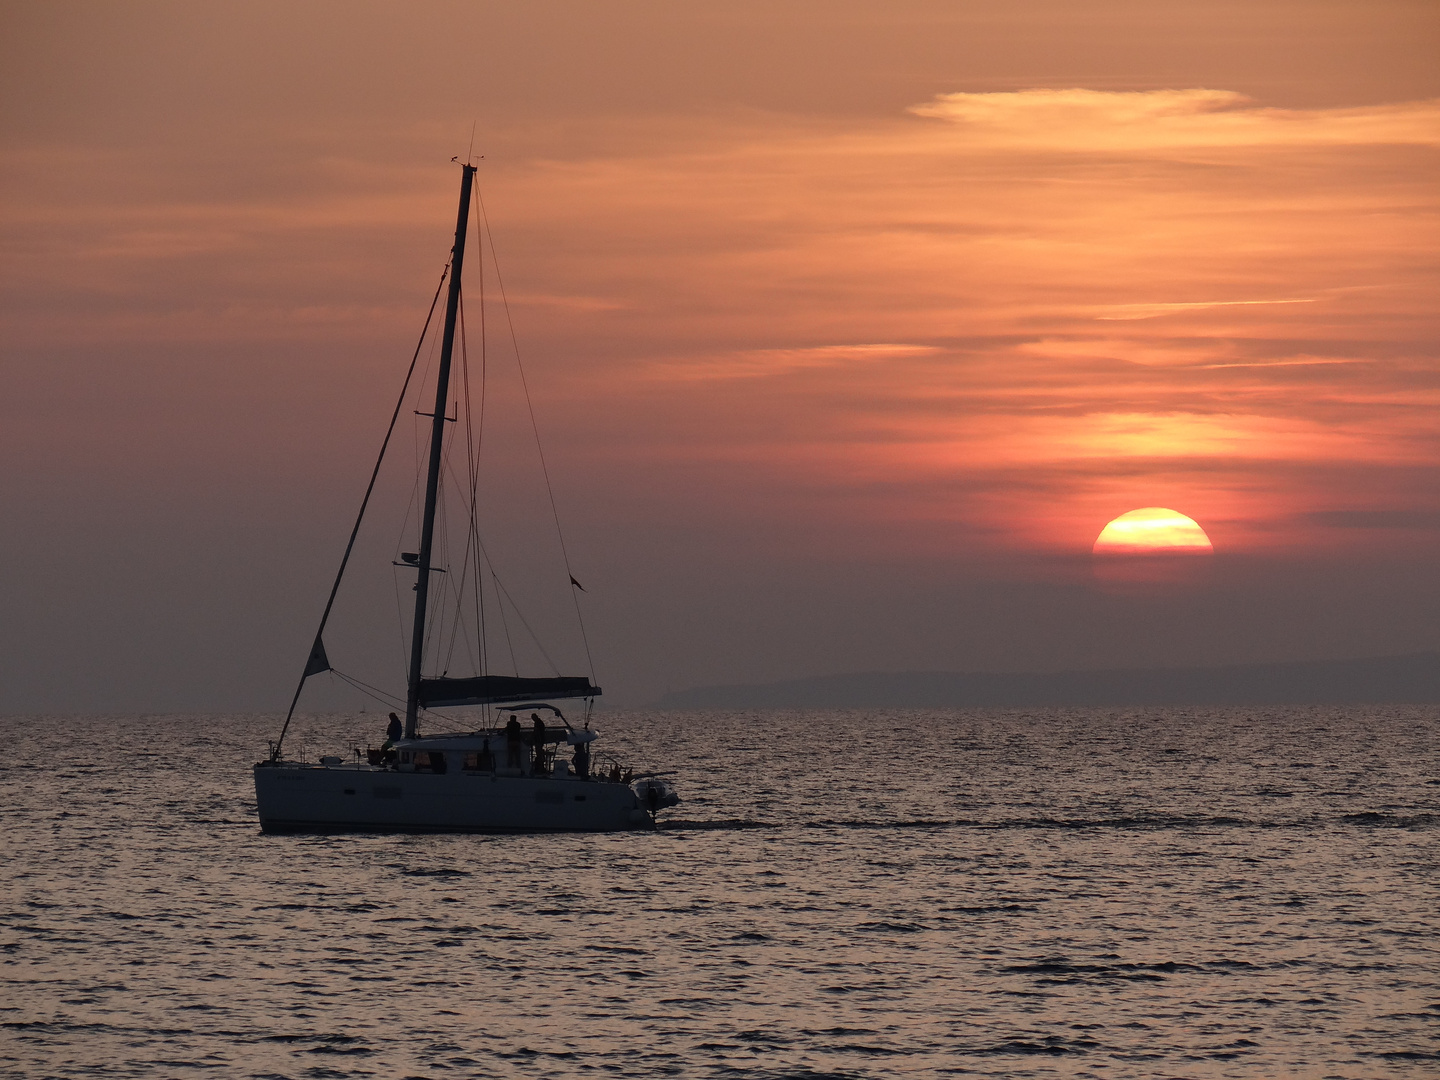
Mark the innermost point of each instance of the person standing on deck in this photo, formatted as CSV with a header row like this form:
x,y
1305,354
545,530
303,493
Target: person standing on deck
x,y
394,732
538,763
512,743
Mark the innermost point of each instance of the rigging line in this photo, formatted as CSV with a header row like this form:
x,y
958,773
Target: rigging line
x,y
382,696
409,512
535,638
479,438
409,509
399,617
419,436
435,612
500,604
458,587
504,622
482,626
439,556
365,502
461,629
481,552
535,428
472,536
405,523
458,625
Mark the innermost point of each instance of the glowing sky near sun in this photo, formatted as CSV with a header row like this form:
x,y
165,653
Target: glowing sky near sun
x,y
834,285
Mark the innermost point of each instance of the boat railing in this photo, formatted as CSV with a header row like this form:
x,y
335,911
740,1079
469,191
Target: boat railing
x,y
484,762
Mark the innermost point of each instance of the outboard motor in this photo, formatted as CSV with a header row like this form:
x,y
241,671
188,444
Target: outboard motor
x,y
655,794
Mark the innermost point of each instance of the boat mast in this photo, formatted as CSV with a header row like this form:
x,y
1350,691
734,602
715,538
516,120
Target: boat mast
x,y
437,440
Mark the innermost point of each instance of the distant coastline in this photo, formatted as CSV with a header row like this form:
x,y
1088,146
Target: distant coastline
x,y
1410,679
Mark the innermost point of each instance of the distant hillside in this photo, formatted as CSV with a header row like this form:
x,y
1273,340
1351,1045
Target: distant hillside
x,y
1380,680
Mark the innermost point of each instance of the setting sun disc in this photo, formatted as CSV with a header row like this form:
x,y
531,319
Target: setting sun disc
x,y
1152,530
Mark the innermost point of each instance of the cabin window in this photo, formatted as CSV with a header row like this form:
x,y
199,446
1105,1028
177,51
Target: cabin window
x,y
472,761
405,757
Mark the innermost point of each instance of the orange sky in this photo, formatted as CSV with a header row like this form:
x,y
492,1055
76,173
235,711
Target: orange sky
x,y
832,286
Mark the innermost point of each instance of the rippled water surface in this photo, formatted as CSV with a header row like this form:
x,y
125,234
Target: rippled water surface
x,y
1178,893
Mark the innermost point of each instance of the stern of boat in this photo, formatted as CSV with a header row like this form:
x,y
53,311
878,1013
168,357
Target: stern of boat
x,y
654,794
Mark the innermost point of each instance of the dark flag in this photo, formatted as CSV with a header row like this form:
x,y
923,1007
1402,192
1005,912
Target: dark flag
x,y
576,583
318,661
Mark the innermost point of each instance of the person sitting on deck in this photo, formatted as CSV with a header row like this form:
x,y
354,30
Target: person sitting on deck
x,y
512,743
394,732
538,740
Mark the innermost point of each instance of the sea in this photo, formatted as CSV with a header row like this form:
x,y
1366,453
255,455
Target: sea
x,y
1146,893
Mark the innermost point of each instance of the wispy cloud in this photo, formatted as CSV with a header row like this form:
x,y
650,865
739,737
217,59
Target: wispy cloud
x,y
1006,326
771,363
1127,312
1141,120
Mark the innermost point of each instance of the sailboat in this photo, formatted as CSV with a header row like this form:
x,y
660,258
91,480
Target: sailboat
x,y
500,777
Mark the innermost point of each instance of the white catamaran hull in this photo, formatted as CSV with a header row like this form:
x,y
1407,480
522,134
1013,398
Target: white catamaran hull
x,y
319,798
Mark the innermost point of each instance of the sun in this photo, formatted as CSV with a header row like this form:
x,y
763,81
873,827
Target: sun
x,y
1153,530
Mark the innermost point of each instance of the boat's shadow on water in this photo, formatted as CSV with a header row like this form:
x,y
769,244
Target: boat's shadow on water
x,y
720,825
1141,823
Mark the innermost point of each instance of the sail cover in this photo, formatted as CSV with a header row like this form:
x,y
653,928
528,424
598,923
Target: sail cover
x,y
496,689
